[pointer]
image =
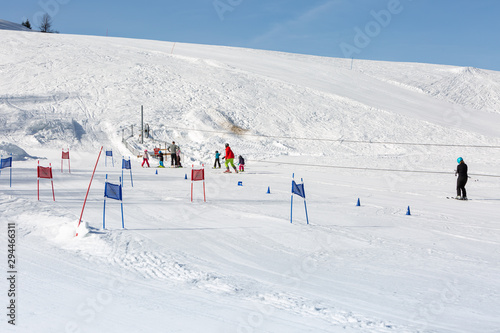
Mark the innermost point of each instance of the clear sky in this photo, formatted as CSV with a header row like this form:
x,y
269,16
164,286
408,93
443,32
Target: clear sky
x,y
452,32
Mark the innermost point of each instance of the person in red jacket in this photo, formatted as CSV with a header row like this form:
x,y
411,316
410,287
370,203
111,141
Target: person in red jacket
x,y
229,157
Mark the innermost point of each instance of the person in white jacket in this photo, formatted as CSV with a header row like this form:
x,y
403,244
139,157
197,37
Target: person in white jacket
x,y
145,158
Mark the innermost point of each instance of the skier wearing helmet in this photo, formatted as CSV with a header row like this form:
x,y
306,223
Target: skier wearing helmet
x,y
145,158
462,179
229,157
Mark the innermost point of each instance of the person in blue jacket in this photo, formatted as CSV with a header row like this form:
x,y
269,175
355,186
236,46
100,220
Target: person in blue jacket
x,y
217,159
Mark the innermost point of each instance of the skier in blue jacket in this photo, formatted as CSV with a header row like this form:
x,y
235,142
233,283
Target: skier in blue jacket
x,y
217,159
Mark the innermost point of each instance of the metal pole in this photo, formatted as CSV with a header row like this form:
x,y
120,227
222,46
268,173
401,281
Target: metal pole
x,y
142,124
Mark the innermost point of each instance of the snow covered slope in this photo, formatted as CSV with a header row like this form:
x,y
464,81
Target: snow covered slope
x,y
236,263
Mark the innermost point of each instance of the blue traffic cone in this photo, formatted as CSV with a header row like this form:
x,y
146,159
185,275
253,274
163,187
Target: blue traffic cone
x,y
358,204
408,211
268,190
156,171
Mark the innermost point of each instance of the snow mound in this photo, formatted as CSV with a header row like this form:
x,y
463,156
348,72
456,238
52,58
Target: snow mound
x,y
18,154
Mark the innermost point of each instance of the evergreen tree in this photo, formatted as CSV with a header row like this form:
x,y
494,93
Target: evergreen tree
x,y
27,24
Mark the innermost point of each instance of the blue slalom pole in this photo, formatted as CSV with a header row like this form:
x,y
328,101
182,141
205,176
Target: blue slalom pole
x,y
131,181
104,215
121,204
305,206
123,222
104,208
291,199
10,185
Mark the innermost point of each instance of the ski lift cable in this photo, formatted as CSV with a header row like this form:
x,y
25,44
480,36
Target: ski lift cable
x,y
370,169
343,140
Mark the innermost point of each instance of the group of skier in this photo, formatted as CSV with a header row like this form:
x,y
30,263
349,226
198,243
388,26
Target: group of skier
x,y
176,162
175,152
229,160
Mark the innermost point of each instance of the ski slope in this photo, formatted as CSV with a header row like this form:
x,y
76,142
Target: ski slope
x,y
235,263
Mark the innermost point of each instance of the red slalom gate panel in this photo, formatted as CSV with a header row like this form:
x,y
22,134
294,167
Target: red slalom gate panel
x,y
197,175
65,156
44,173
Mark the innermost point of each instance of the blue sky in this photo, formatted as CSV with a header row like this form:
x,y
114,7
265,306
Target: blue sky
x,y
452,32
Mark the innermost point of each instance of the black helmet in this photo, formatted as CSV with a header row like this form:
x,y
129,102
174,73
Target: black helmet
x,y
227,144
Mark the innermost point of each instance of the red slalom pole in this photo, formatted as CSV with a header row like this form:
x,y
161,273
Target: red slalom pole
x,y
85,201
52,182
38,180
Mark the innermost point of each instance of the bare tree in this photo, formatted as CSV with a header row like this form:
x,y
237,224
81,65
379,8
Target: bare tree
x,y
46,24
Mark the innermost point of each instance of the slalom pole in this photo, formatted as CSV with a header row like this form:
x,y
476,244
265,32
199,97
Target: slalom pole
x,y
204,196
52,182
305,206
85,201
121,203
38,180
104,207
11,170
131,181
123,159
291,200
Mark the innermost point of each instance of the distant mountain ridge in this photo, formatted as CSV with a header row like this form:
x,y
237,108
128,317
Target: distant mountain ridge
x,y
7,25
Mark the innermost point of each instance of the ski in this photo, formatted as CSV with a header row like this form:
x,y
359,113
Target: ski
x,y
458,199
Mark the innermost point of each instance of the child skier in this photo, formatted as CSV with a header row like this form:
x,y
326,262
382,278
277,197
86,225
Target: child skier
x,y
178,157
217,159
160,154
241,163
145,158
229,159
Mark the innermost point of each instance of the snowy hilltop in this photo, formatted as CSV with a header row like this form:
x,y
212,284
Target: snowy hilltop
x,y
386,133
7,25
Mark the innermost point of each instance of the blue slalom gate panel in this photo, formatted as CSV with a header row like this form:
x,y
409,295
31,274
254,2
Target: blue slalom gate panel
x,y
298,189
126,164
6,162
113,191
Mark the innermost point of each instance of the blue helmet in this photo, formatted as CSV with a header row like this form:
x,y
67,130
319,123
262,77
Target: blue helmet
x,y
459,160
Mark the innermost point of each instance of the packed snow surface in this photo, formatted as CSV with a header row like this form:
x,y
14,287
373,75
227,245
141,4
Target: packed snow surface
x,y
386,133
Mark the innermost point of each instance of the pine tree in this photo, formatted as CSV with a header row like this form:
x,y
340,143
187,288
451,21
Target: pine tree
x,y
27,24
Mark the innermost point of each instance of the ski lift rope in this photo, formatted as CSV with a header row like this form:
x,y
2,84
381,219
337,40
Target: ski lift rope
x,y
371,169
343,140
